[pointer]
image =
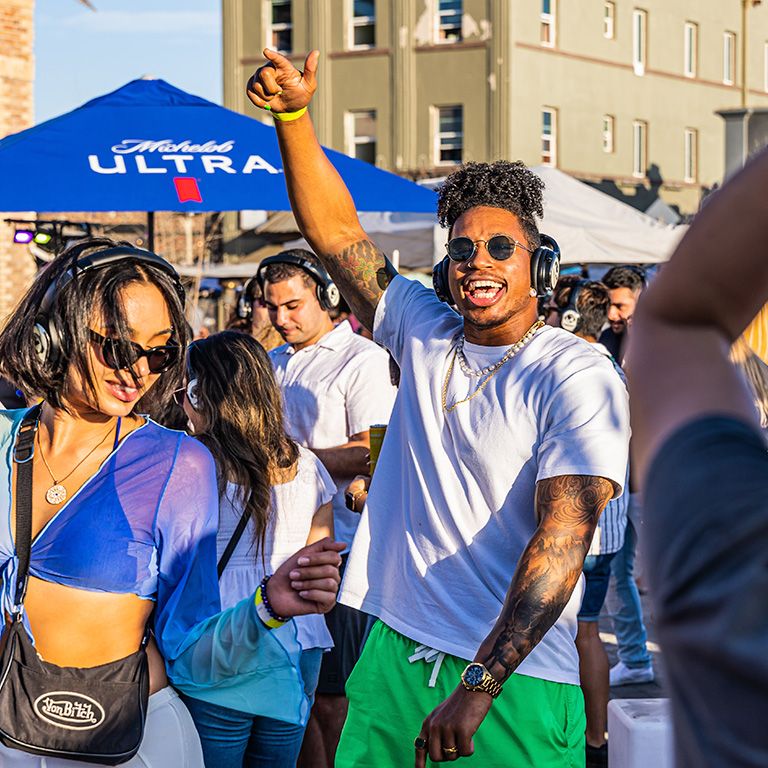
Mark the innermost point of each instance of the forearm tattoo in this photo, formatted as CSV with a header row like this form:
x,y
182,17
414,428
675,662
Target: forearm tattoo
x,y
568,508
362,273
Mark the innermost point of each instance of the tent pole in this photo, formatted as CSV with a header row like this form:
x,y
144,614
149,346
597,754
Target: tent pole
x,y
151,230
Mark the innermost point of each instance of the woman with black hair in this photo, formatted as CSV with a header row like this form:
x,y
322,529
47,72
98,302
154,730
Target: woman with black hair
x,y
275,498
123,524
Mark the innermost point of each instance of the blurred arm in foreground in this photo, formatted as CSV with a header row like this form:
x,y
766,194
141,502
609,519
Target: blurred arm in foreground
x,y
704,468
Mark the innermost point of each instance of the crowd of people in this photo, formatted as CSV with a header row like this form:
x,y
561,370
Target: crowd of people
x,y
180,514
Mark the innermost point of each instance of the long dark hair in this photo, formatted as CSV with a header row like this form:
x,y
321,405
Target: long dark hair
x,y
241,409
97,292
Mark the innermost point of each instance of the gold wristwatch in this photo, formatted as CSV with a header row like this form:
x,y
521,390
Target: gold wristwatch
x,y
477,678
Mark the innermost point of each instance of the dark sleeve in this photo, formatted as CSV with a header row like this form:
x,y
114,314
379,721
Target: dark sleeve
x,y
706,507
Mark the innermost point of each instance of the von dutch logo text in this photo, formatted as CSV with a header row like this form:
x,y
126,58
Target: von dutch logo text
x,y
70,710
160,156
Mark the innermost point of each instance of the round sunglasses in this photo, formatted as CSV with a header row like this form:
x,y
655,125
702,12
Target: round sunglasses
x,y
120,354
500,247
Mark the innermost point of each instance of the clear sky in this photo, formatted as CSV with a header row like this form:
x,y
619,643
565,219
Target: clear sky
x,y
81,54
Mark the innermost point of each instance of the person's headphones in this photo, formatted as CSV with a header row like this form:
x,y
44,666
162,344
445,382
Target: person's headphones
x,y
244,309
327,293
545,271
46,337
570,318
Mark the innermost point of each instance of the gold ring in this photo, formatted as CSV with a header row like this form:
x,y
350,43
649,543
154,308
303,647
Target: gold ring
x,y
450,750
420,742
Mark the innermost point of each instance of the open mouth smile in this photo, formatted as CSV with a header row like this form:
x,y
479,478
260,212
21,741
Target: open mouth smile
x,y
482,291
126,393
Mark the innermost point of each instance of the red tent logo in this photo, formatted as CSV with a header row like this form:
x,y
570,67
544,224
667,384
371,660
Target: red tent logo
x,y
187,190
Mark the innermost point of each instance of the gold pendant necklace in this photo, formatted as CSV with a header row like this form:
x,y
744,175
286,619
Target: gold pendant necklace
x,y
57,493
491,371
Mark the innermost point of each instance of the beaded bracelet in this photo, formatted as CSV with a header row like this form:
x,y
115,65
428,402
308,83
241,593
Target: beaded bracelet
x,y
263,608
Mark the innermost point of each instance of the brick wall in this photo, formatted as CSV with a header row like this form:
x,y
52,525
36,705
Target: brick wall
x,y
17,72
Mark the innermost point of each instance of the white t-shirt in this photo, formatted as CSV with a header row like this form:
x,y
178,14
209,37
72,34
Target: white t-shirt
x,y
451,505
292,507
333,389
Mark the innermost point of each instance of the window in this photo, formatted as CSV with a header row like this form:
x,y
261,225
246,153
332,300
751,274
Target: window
x,y
691,155
548,25
449,21
549,136
281,27
639,148
361,135
639,40
363,31
609,20
729,58
449,136
608,125
691,49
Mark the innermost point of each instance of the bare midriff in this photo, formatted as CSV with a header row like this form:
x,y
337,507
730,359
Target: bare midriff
x,y
78,628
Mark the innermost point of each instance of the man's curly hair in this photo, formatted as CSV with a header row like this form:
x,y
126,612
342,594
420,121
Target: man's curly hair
x,y
509,186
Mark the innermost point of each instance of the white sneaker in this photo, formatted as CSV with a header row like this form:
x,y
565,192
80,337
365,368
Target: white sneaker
x,y
621,674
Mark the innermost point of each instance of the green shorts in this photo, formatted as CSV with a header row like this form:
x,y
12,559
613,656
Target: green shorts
x,y
534,723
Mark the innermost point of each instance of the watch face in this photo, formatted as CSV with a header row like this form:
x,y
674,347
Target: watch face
x,y
474,673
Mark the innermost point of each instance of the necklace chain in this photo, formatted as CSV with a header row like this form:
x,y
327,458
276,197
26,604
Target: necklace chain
x,y
488,372
60,492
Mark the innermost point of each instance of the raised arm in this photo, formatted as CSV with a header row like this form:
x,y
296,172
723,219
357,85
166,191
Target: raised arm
x,y
717,280
323,207
568,508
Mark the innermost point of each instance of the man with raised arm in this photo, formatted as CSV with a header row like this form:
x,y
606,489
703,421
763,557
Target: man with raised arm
x,y
703,469
506,441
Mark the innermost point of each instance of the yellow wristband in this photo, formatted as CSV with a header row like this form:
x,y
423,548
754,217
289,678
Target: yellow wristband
x,y
263,614
287,117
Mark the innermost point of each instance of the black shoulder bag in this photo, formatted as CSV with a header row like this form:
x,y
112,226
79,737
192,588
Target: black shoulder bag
x,y
91,714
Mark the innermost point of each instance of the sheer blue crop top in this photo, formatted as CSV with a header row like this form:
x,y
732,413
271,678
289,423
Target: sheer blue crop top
x,y
145,524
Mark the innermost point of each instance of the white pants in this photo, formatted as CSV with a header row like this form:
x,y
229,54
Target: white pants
x,y
170,740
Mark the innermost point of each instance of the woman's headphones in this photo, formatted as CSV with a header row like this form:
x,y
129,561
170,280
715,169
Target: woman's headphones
x,y
46,337
545,271
327,293
570,319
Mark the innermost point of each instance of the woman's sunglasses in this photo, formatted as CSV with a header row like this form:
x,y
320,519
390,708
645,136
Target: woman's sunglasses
x,y
500,247
120,354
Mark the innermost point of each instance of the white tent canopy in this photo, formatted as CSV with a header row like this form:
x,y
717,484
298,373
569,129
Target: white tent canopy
x,y
594,228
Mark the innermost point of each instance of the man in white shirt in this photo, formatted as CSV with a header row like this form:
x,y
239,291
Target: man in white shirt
x,y
506,441
335,385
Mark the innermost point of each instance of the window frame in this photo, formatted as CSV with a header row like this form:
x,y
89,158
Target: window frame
x,y
440,135
729,57
281,26
690,155
439,25
639,47
691,49
609,133
548,21
551,158
351,138
360,21
609,20
639,160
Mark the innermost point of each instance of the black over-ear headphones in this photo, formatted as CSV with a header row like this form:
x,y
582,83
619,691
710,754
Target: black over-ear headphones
x,y
570,319
545,271
245,301
45,335
327,293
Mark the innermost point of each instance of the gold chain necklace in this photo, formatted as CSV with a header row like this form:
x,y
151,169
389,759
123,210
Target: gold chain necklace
x,y
57,493
508,355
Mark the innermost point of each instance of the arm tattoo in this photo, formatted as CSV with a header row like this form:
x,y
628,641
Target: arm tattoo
x,y
568,508
362,273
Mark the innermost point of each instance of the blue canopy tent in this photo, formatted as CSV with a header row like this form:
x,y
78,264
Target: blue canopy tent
x,y
149,146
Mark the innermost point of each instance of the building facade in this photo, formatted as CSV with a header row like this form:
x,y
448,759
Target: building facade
x,y
17,73
620,93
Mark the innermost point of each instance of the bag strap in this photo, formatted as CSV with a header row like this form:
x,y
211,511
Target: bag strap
x,y
23,453
233,542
